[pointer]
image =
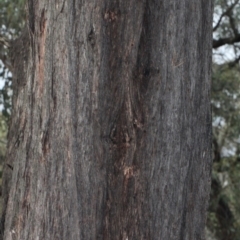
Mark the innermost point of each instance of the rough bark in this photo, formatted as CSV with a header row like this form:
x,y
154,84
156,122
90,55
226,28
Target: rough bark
x,y
113,125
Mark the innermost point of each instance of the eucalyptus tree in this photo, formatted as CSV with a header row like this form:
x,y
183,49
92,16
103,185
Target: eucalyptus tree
x,y
110,135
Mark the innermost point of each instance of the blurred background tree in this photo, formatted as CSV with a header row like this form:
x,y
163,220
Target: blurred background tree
x,y
12,20
223,221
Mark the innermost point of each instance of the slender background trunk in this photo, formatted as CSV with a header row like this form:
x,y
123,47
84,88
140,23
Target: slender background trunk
x,y
111,128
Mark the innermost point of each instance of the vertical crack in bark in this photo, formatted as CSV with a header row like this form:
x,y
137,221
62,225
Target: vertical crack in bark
x,y
41,50
125,37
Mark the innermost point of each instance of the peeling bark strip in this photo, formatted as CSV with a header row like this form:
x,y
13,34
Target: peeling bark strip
x,y
115,120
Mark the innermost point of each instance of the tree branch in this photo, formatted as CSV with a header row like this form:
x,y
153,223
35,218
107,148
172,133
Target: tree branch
x,y
234,62
224,14
4,42
223,41
232,23
4,46
6,61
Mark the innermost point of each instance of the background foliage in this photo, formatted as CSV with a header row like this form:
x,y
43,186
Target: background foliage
x,y
12,19
223,221
224,209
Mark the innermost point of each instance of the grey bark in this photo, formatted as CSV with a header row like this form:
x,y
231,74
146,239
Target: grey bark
x,y
112,126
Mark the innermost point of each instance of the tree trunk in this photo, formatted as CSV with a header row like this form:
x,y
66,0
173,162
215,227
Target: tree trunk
x,y
111,130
